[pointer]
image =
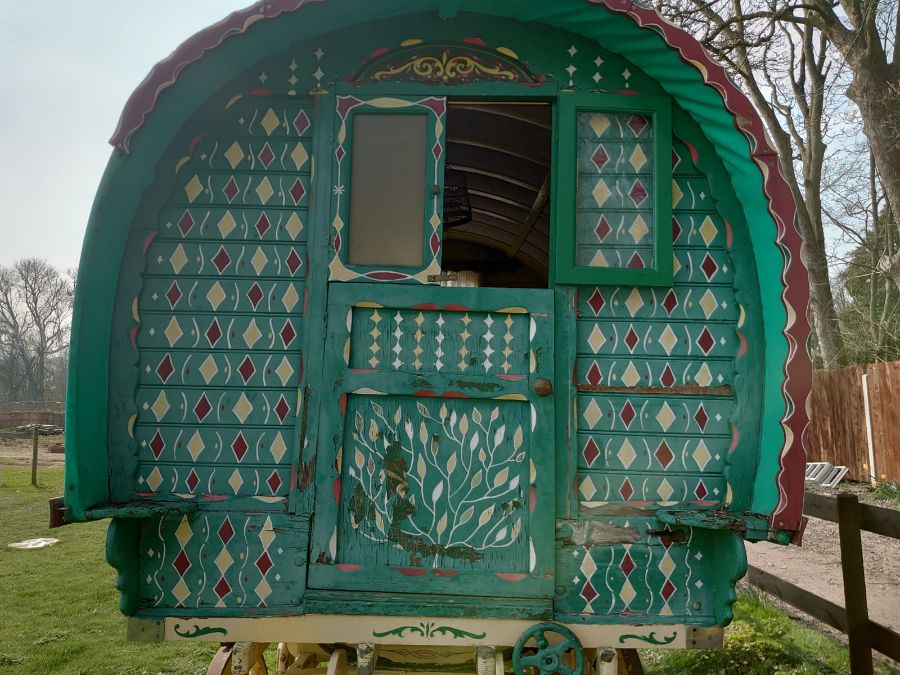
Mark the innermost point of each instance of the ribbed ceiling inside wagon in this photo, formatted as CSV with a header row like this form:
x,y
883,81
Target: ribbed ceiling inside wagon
x,y
499,154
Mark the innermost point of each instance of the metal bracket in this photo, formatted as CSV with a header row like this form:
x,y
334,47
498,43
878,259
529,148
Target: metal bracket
x,y
58,512
145,630
443,276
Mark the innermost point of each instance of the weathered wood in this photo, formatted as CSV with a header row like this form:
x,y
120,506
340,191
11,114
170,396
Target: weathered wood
x,y
337,664
593,533
630,662
872,518
884,402
837,432
854,584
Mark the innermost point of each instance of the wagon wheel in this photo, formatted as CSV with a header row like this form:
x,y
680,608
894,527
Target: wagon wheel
x,y
239,658
563,655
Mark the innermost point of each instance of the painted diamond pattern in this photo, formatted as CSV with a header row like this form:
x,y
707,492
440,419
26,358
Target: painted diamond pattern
x,y
234,154
293,261
266,156
246,369
638,193
239,446
705,341
185,223
701,455
195,446
667,339
165,368
230,190
596,301
301,122
242,408
667,378
626,453
213,333
264,190
601,192
157,444
226,224
208,369
215,295
634,302
664,454
202,408
709,267
282,408
701,418
592,414
626,490
173,295
221,259
637,123
627,414
255,295
263,224
297,191
590,451
259,260
173,331
631,376
299,156
596,339
192,481
287,333
665,416
631,339
600,158
594,376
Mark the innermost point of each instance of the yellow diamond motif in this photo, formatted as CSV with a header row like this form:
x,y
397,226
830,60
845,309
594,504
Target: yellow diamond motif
x,y
267,534
634,301
193,188
173,331
154,479
676,194
180,591
270,122
601,192
626,454
668,339
195,445
708,303
264,190
637,158
208,369
290,298
259,260
252,334
664,490
242,408
638,229
665,416
215,295
592,414
293,226
587,488
588,566
227,224
160,406
599,123
284,370
676,264
599,260
178,259
278,447
184,532
666,565
263,590
234,154
631,376
708,230
596,339
627,593
703,376
299,155
235,481
223,561
701,455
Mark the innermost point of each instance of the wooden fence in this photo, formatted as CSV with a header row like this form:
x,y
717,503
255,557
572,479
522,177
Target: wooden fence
x,y
837,430
853,618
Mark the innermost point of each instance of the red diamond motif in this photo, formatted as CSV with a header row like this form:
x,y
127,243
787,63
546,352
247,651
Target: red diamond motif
x,y
297,191
301,122
666,540
706,341
339,153
664,455
221,260
627,414
263,225
626,491
638,193
437,150
701,491
676,229
203,408
239,447
157,444
631,339
676,160
222,588
434,243
282,408
192,480
709,267
596,301
667,590
287,333
594,376
701,418
173,295
293,261
181,563
266,156
231,189
627,565
670,302
185,223
600,158
667,379
165,368
590,451
274,482
213,333
636,262
226,531
588,592
603,228
255,294
246,369
637,123
264,563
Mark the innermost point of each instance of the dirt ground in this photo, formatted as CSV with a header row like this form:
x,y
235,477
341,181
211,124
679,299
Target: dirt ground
x,y
18,451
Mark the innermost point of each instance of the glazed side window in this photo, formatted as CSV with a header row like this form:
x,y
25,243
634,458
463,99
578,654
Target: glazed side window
x,y
615,190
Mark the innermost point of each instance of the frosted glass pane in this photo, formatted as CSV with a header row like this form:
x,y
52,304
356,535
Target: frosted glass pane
x,y
387,190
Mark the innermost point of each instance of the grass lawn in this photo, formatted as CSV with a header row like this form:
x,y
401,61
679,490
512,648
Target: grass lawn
x,y
59,610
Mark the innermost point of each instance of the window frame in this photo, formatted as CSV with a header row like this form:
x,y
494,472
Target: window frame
x,y
657,108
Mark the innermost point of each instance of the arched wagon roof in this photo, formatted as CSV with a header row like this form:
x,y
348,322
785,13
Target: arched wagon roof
x,y
195,70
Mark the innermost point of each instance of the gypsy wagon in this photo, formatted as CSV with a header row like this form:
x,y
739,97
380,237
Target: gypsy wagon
x,y
425,326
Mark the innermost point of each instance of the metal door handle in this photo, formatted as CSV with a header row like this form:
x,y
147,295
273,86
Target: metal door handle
x,y
543,387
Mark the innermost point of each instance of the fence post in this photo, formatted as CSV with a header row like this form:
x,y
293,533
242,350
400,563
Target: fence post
x,y
854,584
34,447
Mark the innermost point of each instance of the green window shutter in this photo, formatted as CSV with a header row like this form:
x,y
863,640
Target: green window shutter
x,y
614,207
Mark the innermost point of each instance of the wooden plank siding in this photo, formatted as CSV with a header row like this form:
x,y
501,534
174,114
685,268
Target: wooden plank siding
x,y
884,400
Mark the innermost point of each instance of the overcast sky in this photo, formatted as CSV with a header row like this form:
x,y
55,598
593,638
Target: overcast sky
x,y
66,69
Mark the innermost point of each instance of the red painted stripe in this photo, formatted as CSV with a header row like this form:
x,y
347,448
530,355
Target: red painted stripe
x,y
445,573
411,571
214,498
425,394
336,488
261,92
133,335
194,141
532,499
735,438
511,378
428,306
743,348
148,241
457,308
363,371
510,576
344,567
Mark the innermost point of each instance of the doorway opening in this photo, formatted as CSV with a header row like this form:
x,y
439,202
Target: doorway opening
x,y
497,194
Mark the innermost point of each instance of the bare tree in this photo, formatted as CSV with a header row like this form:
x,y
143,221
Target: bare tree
x,y
35,308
